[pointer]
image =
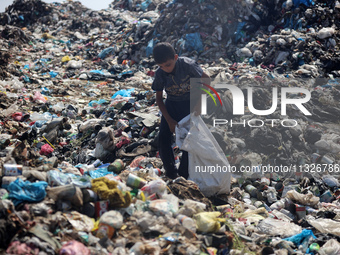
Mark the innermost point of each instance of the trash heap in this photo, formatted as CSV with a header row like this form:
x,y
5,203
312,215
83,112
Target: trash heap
x,y
81,172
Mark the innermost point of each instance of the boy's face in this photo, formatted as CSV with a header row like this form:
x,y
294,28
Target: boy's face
x,y
169,65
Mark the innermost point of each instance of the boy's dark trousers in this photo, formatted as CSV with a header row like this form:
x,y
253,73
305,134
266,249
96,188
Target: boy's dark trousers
x,y
177,110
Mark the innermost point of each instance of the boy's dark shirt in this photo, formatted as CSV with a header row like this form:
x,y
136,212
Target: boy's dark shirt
x,y
177,83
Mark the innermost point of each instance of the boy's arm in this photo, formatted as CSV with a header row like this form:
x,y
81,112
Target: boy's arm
x,y
171,122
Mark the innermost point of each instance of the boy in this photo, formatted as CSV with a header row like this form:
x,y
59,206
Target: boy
x,y
173,75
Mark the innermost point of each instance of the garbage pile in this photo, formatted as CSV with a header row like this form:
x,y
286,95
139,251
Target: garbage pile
x,y
81,172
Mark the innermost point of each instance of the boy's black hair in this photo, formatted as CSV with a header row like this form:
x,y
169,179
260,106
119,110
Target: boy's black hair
x,y
162,52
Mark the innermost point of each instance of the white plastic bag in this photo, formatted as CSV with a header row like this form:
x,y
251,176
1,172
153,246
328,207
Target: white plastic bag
x,y
281,228
332,247
208,166
326,226
182,130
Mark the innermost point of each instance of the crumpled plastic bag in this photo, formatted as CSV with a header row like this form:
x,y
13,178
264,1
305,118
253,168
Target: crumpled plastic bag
x,y
167,205
74,248
281,228
20,191
208,166
123,93
39,98
300,238
331,247
155,186
193,42
73,64
65,59
304,199
56,178
106,52
208,222
46,149
326,226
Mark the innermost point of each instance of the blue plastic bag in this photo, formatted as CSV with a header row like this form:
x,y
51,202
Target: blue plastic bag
x,y
149,48
307,3
144,5
53,74
300,238
123,93
99,102
20,191
106,52
100,172
193,42
97,71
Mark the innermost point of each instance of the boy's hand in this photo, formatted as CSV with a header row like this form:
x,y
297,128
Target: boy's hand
x,y
172,125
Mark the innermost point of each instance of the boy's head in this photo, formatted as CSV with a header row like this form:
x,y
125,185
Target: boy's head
x,y
165,56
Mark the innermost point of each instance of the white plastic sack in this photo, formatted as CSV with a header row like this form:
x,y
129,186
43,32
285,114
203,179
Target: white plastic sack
x,y
332,247
326,226
182,130
208,166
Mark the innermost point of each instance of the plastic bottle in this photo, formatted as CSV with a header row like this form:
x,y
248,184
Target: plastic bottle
x,y
278,205
187,222
251,190
109,222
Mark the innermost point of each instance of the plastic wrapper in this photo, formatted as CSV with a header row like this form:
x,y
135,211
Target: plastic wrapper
x,y
275,227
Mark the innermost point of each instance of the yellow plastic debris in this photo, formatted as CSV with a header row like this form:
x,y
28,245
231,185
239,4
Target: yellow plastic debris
x,y
65,59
